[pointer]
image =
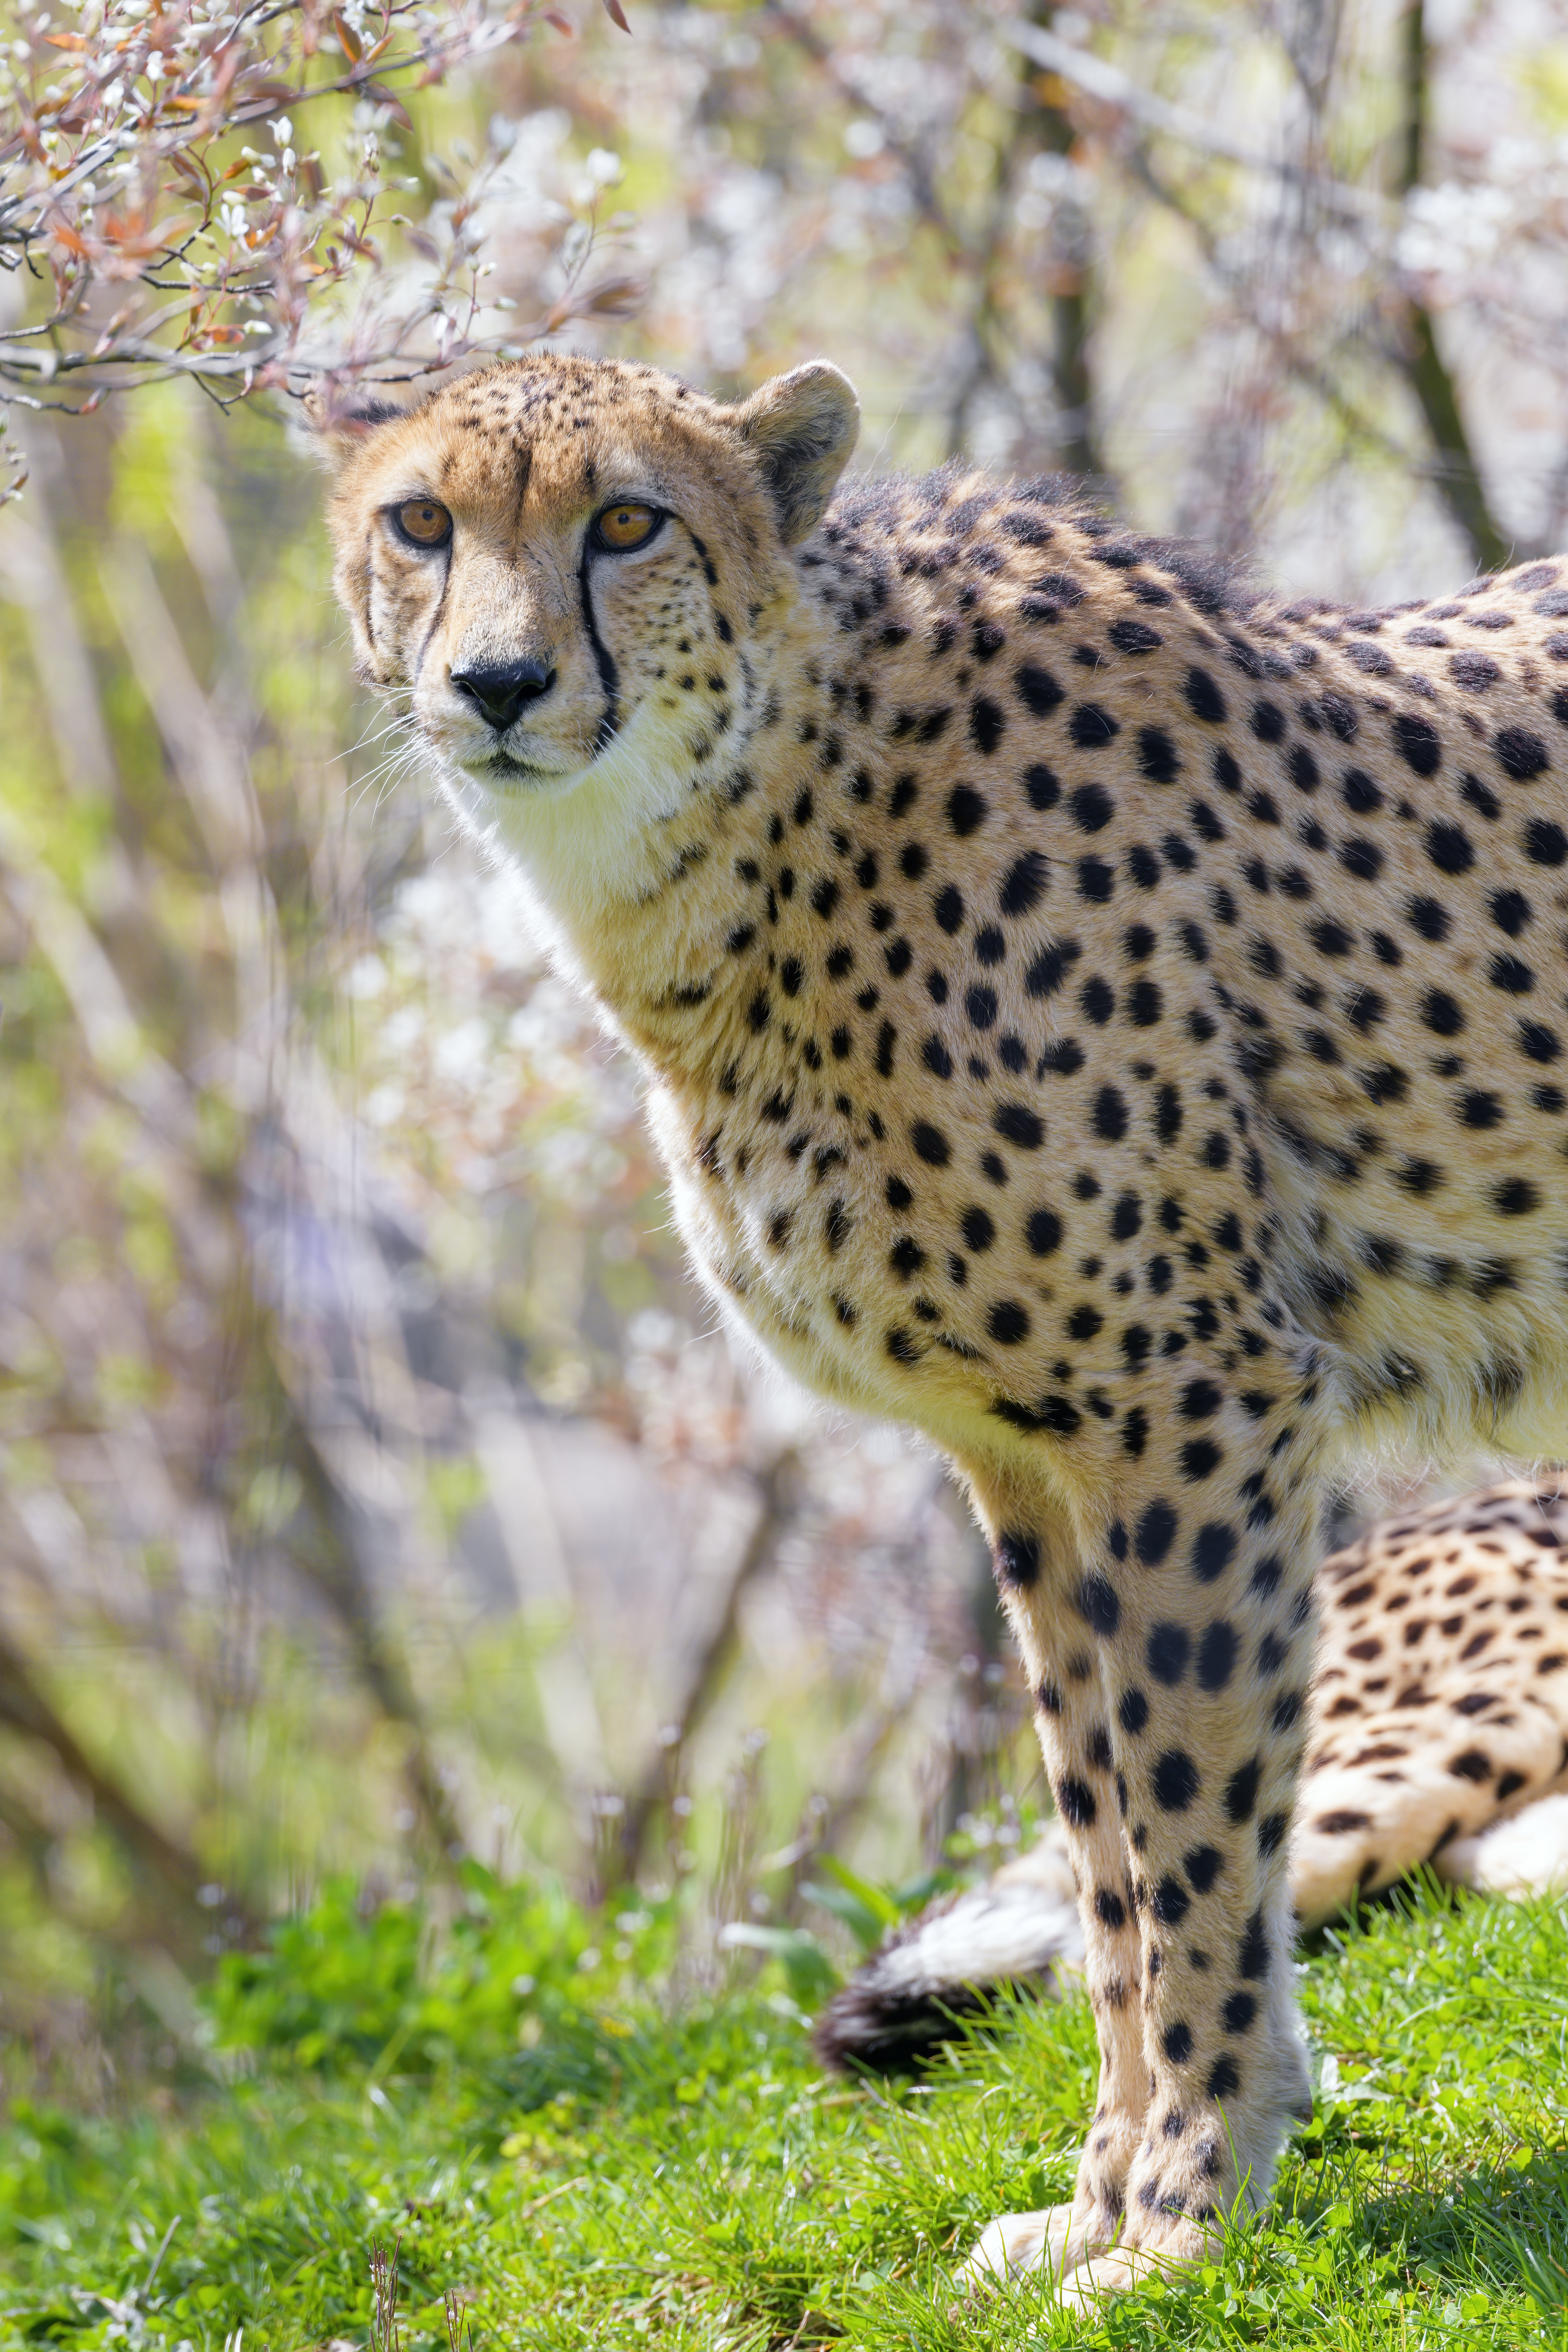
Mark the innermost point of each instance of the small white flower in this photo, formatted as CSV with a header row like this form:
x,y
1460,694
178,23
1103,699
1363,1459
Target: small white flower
x,y
604,167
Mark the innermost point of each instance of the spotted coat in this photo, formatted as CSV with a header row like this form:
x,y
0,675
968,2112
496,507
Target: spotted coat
x,y
1102,1018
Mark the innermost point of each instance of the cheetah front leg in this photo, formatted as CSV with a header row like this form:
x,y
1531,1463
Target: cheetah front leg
x,y
1200,1600
1172,1660
1037,1568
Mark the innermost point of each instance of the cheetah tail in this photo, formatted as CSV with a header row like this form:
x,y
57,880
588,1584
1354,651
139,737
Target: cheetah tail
x,y
1020,1930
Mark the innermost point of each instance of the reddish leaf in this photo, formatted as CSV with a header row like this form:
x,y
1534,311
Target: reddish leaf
x,y
616,15
353,47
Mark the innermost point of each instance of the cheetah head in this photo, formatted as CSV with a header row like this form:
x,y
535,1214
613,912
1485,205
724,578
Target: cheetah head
x,y
556,566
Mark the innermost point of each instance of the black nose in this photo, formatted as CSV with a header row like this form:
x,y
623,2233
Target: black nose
x,y
500,689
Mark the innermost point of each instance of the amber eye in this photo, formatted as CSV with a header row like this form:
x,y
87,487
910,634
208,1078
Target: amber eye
x,y
424,523
626,526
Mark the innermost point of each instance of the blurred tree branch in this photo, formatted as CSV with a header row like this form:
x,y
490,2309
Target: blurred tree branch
x,y
708,1669
163,248
1455,472
177,1875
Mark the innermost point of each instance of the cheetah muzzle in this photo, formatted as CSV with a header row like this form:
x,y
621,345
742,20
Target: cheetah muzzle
x,y
1099,1017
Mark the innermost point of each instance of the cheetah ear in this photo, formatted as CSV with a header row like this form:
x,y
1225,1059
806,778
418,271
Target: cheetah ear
x,y
342,419
801,428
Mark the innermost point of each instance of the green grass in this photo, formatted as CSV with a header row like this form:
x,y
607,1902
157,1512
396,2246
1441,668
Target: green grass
x,y
692,2181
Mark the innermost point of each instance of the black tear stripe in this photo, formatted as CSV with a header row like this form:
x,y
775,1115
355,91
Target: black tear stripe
x,y
609,676
435,618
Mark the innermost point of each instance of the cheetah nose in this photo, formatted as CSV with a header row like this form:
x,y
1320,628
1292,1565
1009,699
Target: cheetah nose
x,y
500,690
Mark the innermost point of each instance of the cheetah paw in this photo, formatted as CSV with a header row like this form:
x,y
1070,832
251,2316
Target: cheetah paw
x,y
1114,2271
1016,2244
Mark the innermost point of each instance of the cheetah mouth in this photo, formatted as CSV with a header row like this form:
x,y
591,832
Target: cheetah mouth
x,y
504,771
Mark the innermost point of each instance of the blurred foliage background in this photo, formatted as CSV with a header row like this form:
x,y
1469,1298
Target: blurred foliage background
x,y
380,1508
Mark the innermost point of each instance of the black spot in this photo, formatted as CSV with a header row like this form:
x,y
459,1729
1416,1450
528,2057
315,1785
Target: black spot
x,y
1110,1909
1448,848
1042,1231
966,810
1096,1601
1024,884
1156,1533
1224,2078
936,1057
1252,1957
1091,727
1050,968
1521,754
1517,1197
1158,759
1092,808
930,1144
1545,844
978,1229
1037,690
1018,1560
1134,637
1109,1117
1008,1322
1442,1013
1238,2013
1217,1654
1430,917
1075,1803
1418,743
1018,1125
1041,787
1241,1791
1176,1780
1204,696
948,908
1203,1866
1167,1651
1514,978
987,720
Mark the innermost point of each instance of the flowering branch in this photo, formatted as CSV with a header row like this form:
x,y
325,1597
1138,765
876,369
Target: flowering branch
x,y
150,242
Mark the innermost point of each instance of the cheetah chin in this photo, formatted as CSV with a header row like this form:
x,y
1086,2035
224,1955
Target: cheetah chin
x,y
1094,1014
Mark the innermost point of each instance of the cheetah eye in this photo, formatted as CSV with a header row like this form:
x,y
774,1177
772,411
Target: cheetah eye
x,y
619,527
423,523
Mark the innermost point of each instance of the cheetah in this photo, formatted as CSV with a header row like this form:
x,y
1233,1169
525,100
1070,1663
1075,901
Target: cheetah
x,y
1435,1740
1098,1016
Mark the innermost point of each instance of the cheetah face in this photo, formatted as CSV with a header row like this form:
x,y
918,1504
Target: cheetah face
x,y
555,564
